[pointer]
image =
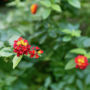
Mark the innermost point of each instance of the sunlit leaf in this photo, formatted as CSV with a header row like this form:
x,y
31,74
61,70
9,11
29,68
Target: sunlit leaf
x,y
16,61
88,55
1,44
70,65
67,38
47,82
56,7
46,3
78,51
14,37
75,3
46,13
6,52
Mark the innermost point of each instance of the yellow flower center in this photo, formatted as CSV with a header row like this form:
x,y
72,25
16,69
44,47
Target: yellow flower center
x,y
81,61
21,42
39,52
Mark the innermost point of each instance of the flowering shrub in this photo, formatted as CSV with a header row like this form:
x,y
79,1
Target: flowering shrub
x,y
56,27
21,47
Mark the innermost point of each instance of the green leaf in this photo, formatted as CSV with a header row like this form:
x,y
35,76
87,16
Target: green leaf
x,y
79,84
71,64
87,42
66,31
11,3
78,51
52,34
17,2
46,13
43,38
87,55
16,60
55,1
1,44
25,65
56,7
87,80
6,52
67,38
74,33
10,79
14,37
79,42
75,3
47,82
80,74
71,79
46,3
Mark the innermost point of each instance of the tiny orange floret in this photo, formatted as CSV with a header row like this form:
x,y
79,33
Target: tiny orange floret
x,y
40,51
34,8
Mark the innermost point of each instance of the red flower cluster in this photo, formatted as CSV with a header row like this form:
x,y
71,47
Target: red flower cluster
x,y
21,47
34,8
81,62
35,52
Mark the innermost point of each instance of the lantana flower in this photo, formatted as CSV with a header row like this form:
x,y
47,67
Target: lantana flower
x,y
81,62
21,46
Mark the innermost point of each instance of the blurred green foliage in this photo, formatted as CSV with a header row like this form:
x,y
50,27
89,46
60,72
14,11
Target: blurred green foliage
x,y
61,28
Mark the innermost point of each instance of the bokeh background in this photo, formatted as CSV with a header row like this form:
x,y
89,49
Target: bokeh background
x,y
58,27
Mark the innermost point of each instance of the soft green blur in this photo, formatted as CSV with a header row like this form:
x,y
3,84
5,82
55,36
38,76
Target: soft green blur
x,y
58,27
